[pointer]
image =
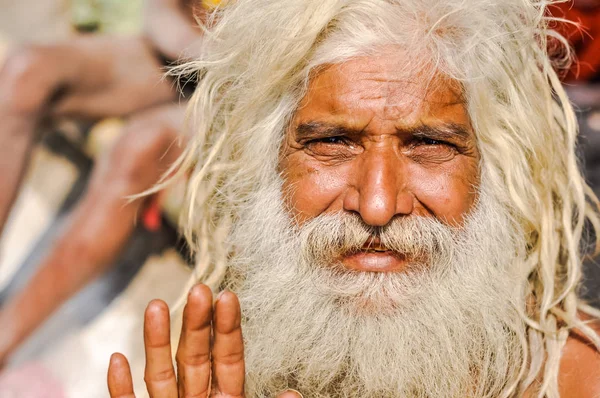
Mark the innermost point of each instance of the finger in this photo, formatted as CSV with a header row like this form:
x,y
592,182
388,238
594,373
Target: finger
x,y
159,374
120,384
193,352
228,347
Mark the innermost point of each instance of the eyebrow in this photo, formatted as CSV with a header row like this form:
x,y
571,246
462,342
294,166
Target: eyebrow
x,y
323,130
444,131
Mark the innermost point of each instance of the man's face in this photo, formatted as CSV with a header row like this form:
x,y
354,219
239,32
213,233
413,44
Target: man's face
x,y
370,139
380,172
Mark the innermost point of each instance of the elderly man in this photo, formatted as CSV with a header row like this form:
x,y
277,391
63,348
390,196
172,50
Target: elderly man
x,y
388,195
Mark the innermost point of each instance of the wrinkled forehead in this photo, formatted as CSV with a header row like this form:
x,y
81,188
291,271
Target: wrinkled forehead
x,y
388,86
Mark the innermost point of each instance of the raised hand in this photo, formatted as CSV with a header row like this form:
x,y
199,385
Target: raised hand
x,y
210,355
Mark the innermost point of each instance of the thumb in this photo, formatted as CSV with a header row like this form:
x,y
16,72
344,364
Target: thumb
x,y
290,394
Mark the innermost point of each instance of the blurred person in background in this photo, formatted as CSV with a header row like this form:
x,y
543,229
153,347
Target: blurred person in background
x,y
92,77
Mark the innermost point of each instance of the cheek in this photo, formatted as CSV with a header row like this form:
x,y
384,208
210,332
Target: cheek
x,y
448,194
311,188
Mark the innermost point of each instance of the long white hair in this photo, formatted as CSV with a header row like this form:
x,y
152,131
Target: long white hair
x,y
258,56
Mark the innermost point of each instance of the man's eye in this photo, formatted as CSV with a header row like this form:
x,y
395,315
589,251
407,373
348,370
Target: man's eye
x,y
431,141
331,146
430,149
329,140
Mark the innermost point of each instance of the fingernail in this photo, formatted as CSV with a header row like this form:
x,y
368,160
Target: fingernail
x,y
290,394
221,293
192,290
115,358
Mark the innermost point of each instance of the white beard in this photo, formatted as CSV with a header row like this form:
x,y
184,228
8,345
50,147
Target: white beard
x,y
447,327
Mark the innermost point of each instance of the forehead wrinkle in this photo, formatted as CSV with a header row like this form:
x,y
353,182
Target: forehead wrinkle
x,y
372,91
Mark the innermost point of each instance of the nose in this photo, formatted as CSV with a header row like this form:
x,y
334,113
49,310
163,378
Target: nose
x,y
380,189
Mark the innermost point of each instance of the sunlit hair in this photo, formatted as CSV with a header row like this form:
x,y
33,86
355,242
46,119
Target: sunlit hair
x,y
258,56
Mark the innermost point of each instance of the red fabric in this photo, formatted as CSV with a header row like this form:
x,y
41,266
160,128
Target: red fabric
x,y
151,217
584,38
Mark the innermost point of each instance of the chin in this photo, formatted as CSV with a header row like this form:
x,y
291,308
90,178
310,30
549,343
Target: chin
x,y
371,293
367,306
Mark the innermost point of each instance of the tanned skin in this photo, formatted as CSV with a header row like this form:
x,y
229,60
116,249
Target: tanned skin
x,y
353,146
89,77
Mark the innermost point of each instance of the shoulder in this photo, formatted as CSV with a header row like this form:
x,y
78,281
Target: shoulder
x,y
580,365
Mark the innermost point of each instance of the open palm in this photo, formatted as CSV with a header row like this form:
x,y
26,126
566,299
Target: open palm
x,y
210,355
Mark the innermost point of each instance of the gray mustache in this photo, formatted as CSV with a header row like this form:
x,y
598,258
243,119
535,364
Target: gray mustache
x,y
327,237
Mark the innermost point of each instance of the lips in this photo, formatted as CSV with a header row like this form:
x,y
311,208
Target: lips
x,y
373,256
